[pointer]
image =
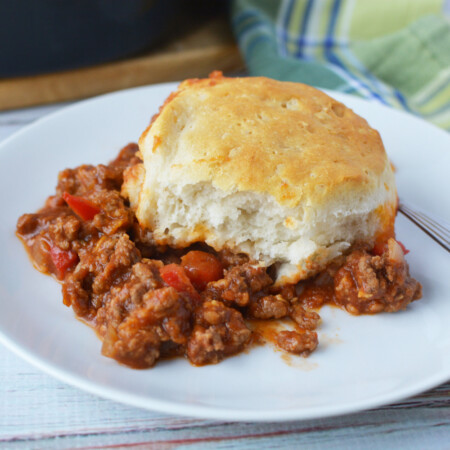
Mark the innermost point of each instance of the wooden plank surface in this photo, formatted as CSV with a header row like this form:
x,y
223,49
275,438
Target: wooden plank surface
x,y
37,411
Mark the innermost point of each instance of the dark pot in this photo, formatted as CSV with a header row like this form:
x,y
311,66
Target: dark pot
x,y
48,35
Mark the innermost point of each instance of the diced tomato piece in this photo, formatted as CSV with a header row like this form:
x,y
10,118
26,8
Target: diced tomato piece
x,y
175,276
201,268
81,207
379,248
63,260
405,250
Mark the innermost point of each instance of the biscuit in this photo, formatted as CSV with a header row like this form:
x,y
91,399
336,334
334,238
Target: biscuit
x,y
277,170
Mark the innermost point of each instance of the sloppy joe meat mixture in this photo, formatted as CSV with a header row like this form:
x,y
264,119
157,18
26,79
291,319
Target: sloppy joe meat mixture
x,y
148,302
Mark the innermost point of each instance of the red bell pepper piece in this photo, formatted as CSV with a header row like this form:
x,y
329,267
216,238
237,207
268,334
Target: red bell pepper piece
x,y
405,250
81,207
175,276
63,260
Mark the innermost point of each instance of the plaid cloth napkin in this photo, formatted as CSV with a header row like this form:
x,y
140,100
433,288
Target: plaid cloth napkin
x,y
394,51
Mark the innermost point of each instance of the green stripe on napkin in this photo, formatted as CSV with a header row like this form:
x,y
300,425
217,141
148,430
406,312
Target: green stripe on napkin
x,y
395,52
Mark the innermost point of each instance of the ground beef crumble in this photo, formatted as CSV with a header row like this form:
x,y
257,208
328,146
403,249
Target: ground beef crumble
x,y
308,320
238,284
219,331
146,302
268,307
162,315
371,284
298,343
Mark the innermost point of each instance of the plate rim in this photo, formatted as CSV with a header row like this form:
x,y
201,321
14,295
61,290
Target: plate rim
x,y
203,412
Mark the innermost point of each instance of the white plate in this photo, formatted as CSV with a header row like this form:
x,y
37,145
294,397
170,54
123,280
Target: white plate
x,y
362,362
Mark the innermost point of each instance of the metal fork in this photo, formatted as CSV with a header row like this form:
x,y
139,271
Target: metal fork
x,y
437,228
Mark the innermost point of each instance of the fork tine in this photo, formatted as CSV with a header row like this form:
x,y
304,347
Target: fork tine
x,y
429,220
443,244
437,226
430,225
438,230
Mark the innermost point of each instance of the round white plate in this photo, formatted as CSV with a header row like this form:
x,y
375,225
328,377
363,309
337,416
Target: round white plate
x,y
361,362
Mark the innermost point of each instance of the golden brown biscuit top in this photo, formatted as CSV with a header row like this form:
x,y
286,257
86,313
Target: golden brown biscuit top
x,y
285,139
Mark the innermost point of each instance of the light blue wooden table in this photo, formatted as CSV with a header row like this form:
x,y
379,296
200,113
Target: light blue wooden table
x,y
37,411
